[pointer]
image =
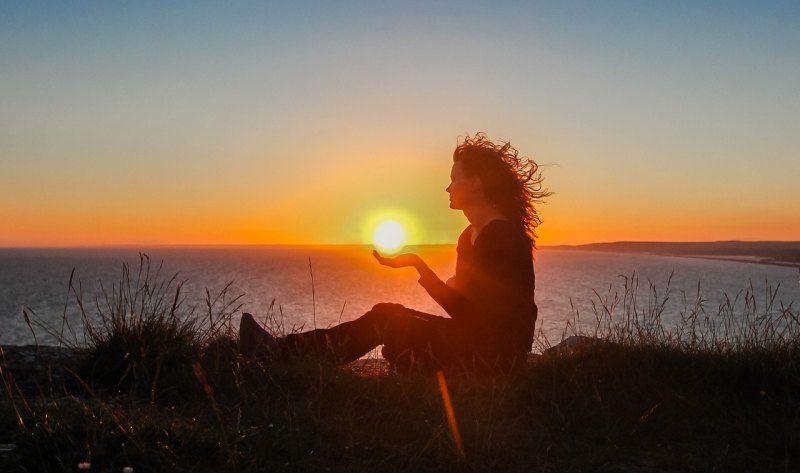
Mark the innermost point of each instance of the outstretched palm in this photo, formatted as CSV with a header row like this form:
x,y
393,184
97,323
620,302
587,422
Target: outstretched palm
x,y
400,261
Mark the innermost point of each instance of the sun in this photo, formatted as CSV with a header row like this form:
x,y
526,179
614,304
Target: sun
x,y
390,229
389,236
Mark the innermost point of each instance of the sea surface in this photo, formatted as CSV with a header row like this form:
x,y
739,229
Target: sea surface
x,y
321,286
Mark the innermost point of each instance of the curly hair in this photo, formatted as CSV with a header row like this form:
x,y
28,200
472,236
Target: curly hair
x,y
511,183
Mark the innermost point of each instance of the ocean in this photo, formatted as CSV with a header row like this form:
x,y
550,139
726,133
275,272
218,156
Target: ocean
x,y
321,286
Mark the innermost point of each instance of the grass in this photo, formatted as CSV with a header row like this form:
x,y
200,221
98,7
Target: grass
x,y
160,387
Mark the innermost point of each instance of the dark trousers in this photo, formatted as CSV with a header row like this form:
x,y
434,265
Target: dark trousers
x,y
410,339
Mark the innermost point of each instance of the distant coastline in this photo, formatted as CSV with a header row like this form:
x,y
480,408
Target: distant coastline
x,y
779,253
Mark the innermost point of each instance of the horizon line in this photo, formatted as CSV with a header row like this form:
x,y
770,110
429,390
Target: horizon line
x,y
255,245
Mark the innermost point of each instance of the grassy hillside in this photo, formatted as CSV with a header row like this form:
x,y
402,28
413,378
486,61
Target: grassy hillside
x,y
159,386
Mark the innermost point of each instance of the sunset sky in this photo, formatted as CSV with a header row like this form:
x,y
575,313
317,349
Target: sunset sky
x,y
136,123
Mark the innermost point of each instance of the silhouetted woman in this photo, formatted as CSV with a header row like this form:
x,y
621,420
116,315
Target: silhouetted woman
x,y
489,299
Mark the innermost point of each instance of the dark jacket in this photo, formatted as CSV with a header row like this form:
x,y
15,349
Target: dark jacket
x,y
492,301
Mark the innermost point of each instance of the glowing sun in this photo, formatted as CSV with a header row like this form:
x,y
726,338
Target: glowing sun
x,y
389,236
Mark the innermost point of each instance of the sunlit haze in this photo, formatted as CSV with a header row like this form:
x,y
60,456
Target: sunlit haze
x,y
390,236
124,123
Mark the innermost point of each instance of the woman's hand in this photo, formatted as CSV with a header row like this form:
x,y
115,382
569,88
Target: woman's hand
x,y
400,261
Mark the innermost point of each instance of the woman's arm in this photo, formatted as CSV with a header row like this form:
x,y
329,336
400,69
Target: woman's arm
x,y
452,301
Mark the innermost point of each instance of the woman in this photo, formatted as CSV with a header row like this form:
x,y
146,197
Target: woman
x,y
489,299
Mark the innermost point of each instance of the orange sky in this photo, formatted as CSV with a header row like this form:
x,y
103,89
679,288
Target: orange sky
x,y
338,197
134,125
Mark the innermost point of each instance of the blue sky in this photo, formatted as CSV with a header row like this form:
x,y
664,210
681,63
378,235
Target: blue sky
x,y
132,122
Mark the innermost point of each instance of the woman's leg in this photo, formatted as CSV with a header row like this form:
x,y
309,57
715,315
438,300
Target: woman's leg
x,y
403,332
421,342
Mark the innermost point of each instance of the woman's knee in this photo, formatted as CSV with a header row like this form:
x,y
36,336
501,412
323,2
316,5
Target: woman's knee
x,y
384,311
386,318
388,307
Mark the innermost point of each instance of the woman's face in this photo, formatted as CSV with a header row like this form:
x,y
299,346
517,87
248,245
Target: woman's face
x,y
462,188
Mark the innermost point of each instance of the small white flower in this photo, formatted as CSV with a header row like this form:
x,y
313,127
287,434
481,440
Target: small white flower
x,y
127,469
84,465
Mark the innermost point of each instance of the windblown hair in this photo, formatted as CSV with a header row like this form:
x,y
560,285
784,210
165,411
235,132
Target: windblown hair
x,y
511,183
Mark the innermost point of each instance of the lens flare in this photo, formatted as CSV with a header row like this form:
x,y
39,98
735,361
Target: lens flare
x,y
389,236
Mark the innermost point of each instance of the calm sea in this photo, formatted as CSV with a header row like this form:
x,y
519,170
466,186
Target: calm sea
x,y
347,281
